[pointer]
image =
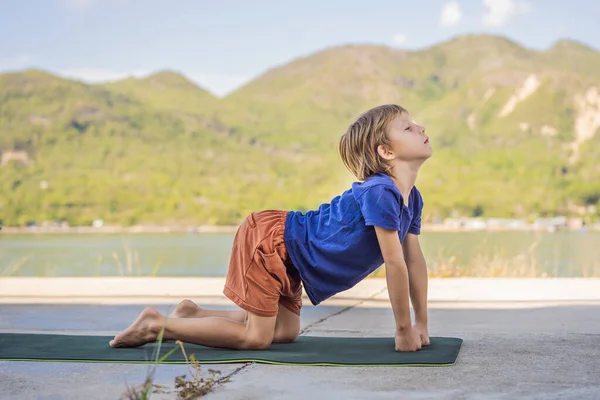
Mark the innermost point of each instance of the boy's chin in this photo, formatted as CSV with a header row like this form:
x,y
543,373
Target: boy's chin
x,y
426,154
421,156
417,160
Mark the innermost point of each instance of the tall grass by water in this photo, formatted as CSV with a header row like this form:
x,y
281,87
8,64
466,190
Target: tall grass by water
x,y
515,254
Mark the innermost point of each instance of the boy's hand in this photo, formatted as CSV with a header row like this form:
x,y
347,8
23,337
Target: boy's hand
x,y
408,340
422,328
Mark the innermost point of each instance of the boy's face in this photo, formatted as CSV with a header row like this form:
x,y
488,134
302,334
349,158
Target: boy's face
x,y
409,141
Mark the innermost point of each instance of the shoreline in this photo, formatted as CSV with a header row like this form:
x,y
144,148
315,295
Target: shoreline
x,y
120,229
12,230
132,290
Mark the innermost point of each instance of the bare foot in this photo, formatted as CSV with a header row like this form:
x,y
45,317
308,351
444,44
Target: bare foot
x,y
424,333
144,330
187,309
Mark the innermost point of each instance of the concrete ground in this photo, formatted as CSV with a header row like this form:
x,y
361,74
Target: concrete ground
x,y
534,349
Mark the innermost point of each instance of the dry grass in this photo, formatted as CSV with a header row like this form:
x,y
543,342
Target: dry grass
x,y
132,258
15,266
144,391
494,266
196,386
185,388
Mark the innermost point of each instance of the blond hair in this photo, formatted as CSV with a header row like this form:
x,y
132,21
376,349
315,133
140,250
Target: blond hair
x,y
358,146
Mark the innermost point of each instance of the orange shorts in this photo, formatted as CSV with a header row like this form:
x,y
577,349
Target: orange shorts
x,y
261,275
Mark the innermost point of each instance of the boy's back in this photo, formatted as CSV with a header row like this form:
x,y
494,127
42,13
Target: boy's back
x,y
335,246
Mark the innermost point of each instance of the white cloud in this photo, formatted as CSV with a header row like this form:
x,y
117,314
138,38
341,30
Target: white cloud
x,y
220,84
93,75
78,3
18,62
400,39
451,14
499,12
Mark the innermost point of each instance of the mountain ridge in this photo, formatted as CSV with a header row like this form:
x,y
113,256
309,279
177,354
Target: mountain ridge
x,y
161,149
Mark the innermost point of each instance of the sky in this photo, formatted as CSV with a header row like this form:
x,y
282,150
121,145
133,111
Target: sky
x,y
222,44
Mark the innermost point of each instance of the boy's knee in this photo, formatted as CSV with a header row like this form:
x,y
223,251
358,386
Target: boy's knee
x,y
286,335
254,342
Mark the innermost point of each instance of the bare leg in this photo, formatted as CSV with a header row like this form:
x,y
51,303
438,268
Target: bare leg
x,y
257,333
287,325
189,309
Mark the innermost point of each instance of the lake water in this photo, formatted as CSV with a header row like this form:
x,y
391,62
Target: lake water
x,y
448,254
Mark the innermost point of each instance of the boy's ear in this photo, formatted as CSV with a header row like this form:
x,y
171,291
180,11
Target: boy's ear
x,y
385,152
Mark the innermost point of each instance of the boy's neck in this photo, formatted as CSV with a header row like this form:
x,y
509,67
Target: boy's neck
x,y
404,176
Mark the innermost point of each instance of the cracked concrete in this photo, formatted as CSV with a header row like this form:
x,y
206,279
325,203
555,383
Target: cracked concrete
x,y
535,349
107,380
533,353
48,380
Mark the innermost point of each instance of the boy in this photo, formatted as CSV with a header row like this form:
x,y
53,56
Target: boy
x,y
327,250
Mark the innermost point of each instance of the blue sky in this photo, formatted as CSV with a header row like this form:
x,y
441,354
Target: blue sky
x,y
222,44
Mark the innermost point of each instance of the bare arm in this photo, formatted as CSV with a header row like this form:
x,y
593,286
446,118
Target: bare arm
x,y
406,337
417,276
396,274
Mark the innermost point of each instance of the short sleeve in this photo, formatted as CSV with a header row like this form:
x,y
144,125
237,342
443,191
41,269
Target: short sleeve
x,y
380,206
415,223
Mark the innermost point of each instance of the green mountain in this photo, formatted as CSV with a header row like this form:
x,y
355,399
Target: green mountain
x,y
514,133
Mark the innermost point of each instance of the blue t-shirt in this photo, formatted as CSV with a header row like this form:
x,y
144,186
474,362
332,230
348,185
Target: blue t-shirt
x,y
335,246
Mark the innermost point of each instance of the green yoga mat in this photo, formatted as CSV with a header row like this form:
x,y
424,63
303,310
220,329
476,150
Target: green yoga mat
x,y
307,350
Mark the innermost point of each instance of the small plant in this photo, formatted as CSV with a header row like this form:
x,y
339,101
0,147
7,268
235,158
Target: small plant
x,y
197,386
144,391
186,389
